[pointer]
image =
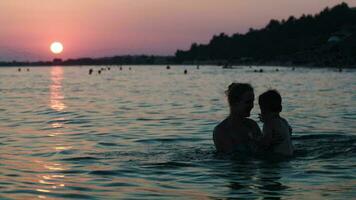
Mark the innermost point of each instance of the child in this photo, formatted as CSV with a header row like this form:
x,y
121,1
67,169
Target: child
x,y
277,133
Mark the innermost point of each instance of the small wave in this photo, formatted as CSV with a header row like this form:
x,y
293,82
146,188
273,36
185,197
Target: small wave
x,y
73,172
120,184
75,196
167,140
107,144
84,158
104,172
169,165
324,146
49,111
320,136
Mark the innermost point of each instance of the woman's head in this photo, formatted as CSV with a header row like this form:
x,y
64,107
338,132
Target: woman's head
x,y
270,101
240,97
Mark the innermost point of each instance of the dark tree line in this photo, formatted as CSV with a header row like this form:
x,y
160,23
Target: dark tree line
x,y
325,39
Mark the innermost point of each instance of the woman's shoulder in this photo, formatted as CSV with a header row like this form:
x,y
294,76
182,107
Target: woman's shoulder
x,y
222,126
250,122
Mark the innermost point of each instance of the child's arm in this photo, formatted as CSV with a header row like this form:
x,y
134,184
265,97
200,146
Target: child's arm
x,y
255,132
262,139
266,139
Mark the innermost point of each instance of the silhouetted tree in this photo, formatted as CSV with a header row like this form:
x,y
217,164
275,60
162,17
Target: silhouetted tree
x,y
303,40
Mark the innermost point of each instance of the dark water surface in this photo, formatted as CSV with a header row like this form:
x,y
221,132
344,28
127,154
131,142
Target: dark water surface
x,y
146,133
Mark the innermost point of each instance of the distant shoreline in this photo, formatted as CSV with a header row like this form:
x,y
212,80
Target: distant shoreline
x,y
129,60
224,65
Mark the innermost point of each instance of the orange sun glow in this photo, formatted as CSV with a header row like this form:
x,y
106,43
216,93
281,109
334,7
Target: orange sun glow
x,y
56,47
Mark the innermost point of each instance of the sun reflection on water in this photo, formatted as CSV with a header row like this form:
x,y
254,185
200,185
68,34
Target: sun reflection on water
x,y
50,182
56,125
56,98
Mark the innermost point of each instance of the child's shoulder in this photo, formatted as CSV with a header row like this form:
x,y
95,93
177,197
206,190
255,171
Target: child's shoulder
x,y
275,122
283,120
281,124
276,119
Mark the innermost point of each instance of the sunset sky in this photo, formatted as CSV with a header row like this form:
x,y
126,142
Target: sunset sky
x,y
97,28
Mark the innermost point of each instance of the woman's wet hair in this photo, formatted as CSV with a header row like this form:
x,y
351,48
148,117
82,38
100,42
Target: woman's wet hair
x,y
236,90
271,100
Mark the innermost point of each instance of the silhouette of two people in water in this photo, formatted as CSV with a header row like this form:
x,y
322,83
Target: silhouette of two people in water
x,y
240,134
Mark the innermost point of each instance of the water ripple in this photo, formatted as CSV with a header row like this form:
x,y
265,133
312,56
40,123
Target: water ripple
x,y
147,134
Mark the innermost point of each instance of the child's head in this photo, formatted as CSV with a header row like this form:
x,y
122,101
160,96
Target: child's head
x,y
270,101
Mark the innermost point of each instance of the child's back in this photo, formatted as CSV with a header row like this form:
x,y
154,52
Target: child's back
x,y
280,134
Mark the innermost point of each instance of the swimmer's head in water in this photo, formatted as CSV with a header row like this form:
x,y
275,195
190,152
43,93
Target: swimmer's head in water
x,y
270,101
240,97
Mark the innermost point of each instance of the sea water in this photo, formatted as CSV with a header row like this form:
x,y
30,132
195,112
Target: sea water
x,y
146,133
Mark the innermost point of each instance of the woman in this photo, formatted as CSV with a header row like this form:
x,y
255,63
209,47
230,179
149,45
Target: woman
x,y
232,134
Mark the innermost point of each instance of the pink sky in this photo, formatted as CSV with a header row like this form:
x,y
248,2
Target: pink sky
x,y
97,28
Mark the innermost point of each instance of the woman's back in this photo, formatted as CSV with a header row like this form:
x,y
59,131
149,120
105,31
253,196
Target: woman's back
x,y
230,136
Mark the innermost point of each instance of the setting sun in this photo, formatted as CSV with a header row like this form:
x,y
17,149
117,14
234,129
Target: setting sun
x,y
56,47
